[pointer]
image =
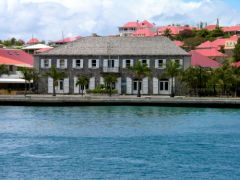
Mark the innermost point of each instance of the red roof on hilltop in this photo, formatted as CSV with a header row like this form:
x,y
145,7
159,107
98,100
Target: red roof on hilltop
x,y
17,55
210,27
210,52
231,28
178,43
144,33
137,24
202,61
68,39
33,41
174,29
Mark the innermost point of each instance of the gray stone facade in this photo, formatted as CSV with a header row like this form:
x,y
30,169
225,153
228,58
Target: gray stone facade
x,y
126,79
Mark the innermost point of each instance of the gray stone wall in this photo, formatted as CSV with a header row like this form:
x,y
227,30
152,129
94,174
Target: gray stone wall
x,y
123,73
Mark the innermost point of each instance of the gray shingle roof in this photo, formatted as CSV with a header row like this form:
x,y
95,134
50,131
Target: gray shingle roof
x,y
119,46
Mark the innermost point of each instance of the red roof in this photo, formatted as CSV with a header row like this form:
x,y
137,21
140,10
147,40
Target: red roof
x,y
144,33
68,39
33,41
202,61
17,55
236,64
210,27
217,43
137,24
178,43
43,50
210,52
174,29
231,29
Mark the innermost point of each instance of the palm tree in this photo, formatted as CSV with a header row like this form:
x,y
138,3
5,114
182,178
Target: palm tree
x,y
56,76
82,81
139,71
109,80
27,76
172,70
3,69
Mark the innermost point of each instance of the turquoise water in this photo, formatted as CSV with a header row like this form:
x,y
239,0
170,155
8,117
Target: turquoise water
x,y
119,143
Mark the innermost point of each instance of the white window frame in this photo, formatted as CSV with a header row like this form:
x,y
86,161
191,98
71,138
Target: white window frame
x,y
62,63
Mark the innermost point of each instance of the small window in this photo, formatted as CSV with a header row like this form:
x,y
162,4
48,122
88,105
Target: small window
x,y
128,63
144,61
178,62
11,68
61,84
62,63
111,63
94,63
46,63
160,63
78,63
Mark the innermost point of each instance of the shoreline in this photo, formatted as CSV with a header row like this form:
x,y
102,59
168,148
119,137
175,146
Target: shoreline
x,y
77,100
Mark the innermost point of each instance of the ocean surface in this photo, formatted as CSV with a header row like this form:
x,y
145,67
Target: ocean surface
x,y
119,143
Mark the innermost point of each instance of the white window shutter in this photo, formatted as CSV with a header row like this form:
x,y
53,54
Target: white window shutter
x,y
90,63
42,63
181,62
97,63
105,63
164,63
129,85
118,85
124,63
50,85
65,63
49,63
148,62
116,63
145,85
155,85
58,63
66,85
92,83
74,63
101,80
156,63
76,88
81,63
131,62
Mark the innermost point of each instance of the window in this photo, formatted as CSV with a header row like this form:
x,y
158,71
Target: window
x,y
46,63
94,63
111,63
144,61
11,68
160,63
128,63
163,85
78,63
135,85
62,63
61,83
178,62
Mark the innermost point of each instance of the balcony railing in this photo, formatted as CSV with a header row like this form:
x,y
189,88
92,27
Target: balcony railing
x,y
111,69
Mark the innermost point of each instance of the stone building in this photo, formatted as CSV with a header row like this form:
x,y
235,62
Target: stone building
x,y
96,56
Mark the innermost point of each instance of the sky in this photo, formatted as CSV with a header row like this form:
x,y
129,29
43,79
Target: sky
x,y
49,19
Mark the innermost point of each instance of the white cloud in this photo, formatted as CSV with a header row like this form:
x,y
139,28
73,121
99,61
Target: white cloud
x,y
46,19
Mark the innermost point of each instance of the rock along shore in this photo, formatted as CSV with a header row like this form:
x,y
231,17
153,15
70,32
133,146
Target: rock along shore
x,y
77,100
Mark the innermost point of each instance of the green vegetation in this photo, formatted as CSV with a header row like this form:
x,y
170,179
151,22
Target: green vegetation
x,y
101,89
3,69
139,71
82,81
236,51
172,70
56,76
12,42
109,80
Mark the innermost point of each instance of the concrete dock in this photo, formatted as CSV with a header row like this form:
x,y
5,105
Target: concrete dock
x,y
77,100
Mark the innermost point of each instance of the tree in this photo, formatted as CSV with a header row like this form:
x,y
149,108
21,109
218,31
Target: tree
x,y
56,76
139,71
82,81
203,33
217,32
168,33
3,69
27,76
191,43
172,71
109,79
236,51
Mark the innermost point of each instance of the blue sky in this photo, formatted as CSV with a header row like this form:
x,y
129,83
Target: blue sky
x,y
46,19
